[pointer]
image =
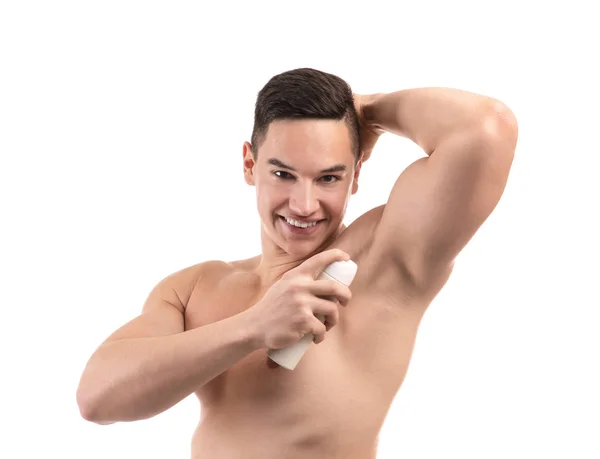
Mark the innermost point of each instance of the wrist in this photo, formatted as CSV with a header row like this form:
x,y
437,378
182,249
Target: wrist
x,y
250,335
369,109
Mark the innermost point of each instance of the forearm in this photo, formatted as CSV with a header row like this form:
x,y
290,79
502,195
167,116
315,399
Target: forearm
x,y
138,378
427,115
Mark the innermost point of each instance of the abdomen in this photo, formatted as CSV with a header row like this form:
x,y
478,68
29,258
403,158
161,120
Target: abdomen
x,y
322,408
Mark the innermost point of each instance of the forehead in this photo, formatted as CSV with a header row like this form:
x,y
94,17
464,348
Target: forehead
x,y
308,140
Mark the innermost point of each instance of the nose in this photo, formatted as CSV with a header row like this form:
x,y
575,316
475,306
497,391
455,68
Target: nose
x,y
303,200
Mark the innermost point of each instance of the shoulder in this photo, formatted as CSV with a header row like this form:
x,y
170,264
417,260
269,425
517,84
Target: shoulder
x,y
182,283
213,273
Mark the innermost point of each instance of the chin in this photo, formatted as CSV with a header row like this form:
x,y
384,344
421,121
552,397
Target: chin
x,y
298,247
301,250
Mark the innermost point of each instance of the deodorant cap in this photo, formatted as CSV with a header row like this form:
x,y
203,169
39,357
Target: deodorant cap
x,y
342,271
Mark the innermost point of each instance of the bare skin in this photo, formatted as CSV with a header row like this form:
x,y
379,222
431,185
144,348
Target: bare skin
x,y
358,368
206,329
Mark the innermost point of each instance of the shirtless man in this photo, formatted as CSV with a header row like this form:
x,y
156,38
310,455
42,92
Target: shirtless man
x,y
206,329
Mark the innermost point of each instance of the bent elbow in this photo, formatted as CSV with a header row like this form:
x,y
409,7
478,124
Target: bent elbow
x,y
89,407
501,123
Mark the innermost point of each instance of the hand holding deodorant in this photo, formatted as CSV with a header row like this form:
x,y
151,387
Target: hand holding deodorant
x,y
288,357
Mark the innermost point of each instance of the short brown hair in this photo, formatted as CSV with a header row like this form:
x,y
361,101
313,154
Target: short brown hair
x,y
305,93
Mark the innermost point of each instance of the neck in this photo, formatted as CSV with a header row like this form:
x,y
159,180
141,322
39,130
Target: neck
x,y
274,261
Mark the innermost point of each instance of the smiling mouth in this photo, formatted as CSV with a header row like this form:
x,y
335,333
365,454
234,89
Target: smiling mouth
x,y
300,226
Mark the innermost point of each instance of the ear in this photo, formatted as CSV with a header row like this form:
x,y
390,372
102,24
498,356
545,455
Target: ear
x,y
356,174
249,163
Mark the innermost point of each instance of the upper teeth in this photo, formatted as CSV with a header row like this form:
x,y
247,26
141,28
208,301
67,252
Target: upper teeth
x,y
300,224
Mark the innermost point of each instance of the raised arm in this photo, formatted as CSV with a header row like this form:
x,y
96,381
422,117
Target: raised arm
x,y
151,363
440,201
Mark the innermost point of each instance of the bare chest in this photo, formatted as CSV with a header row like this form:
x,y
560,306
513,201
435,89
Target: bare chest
x,y
356,370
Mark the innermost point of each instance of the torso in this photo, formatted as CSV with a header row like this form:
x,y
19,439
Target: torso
x,y
334,403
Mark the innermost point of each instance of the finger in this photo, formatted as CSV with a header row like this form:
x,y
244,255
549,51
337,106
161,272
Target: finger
x,y
330,288
326,311
329,322
318,331
318,262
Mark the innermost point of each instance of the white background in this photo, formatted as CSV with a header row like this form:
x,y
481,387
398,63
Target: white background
x,y
121,131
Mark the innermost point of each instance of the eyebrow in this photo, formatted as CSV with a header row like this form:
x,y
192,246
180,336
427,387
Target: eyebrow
x,y
277,163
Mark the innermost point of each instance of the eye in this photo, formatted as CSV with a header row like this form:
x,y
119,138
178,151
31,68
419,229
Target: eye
x,y
330,178
283,175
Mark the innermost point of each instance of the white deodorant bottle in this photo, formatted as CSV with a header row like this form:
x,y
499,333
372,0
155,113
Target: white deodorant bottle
x,y
288,357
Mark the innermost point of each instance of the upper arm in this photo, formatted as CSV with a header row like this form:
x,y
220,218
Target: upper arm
x,y
439,202
163,311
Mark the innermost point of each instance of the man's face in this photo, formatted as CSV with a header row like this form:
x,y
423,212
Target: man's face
x,y
304,176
